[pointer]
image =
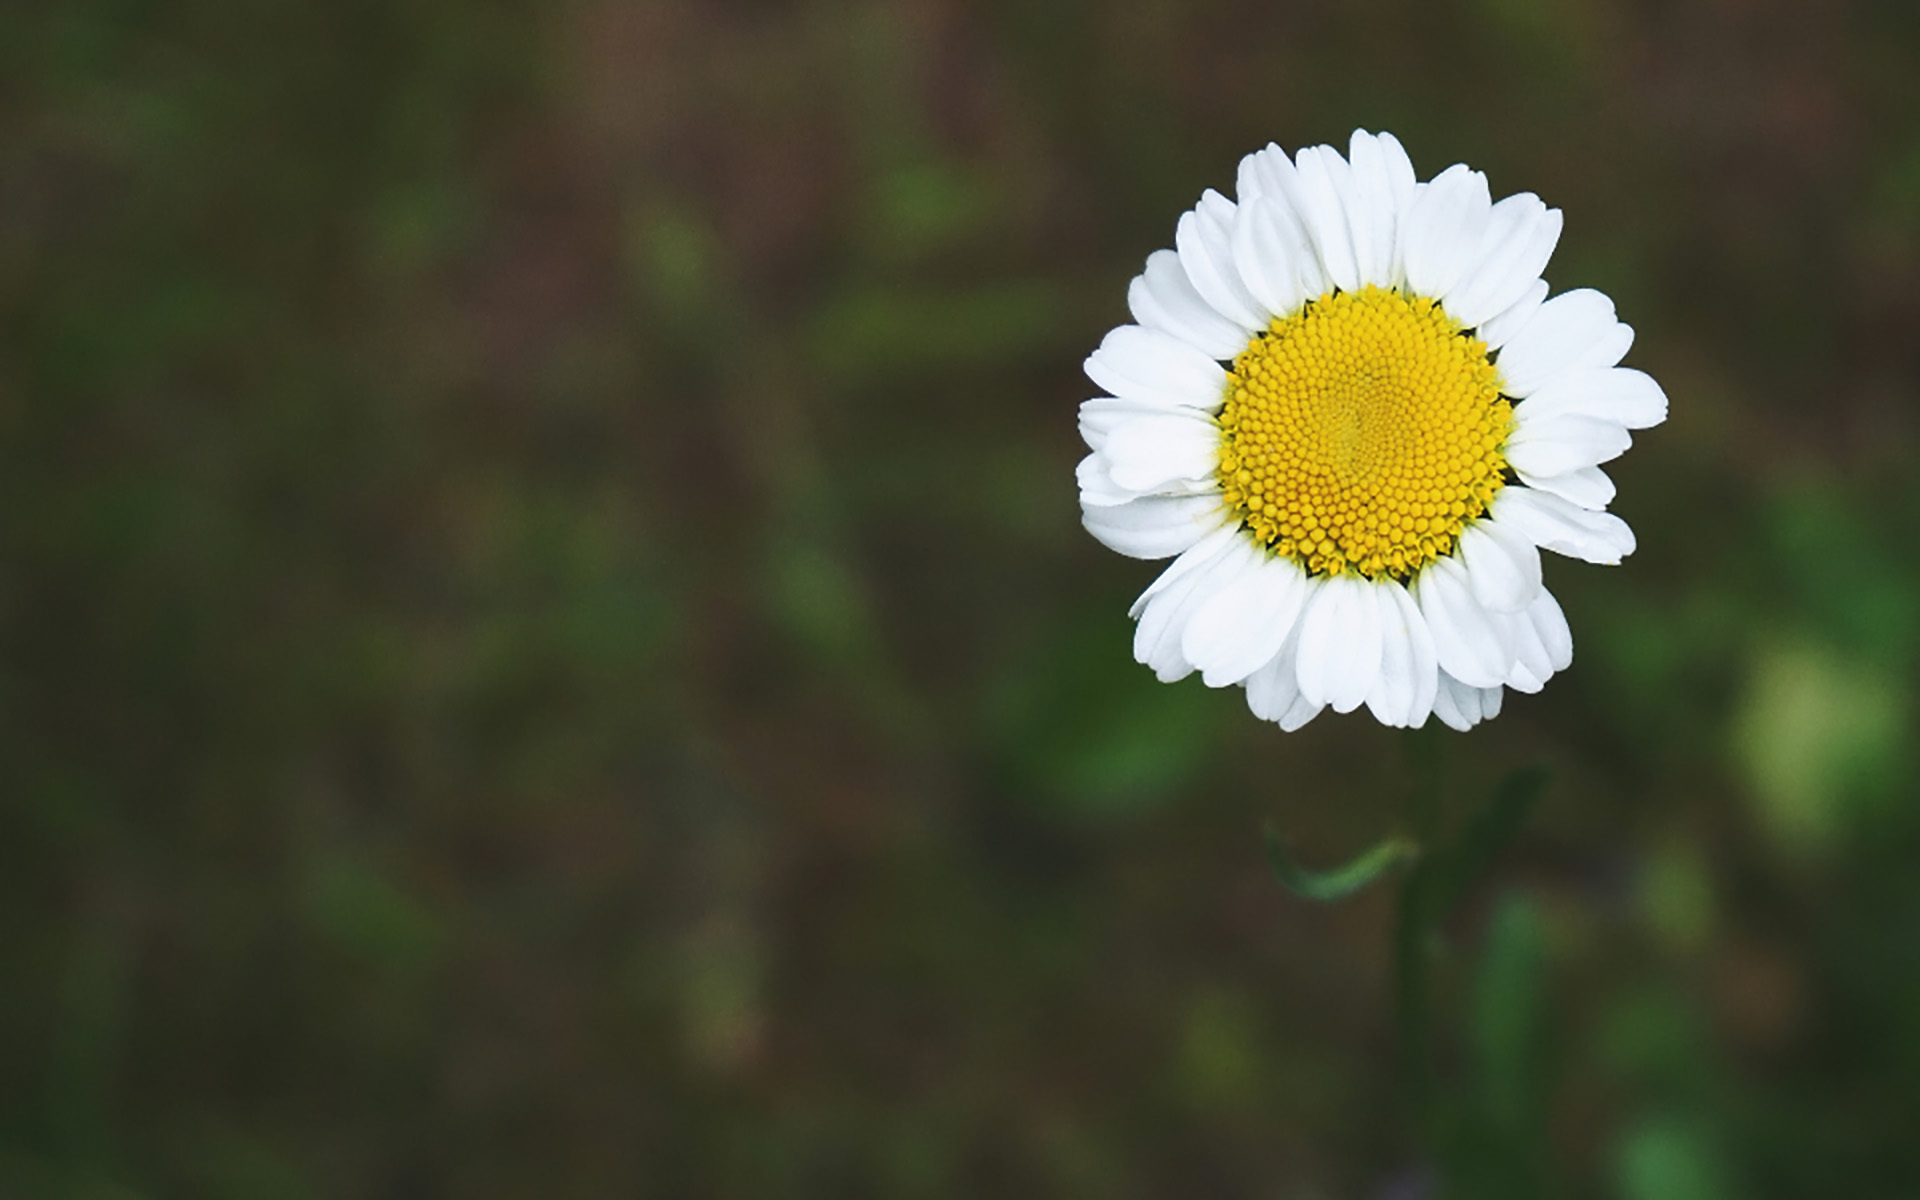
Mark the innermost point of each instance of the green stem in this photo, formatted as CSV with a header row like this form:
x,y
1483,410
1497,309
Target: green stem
x,y
1413,935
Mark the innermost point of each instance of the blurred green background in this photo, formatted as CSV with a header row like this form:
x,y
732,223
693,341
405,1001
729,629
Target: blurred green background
x,y
548,649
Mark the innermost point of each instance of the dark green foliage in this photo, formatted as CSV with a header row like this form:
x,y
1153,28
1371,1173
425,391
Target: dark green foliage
x,y
1337,883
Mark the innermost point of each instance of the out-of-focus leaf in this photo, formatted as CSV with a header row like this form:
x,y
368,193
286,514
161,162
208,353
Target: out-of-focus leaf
x,y
1822,737
1508,1016
929,206
1498,1147
1092,733
1220,1049
1675,894
1670,1159
819,600
358,907
1655,1038
675,258
1336,883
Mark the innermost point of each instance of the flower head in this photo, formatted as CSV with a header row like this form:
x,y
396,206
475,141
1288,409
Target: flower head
x,y
1350,414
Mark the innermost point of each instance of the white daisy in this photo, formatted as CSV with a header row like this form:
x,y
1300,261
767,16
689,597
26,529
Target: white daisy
x,y
1352,417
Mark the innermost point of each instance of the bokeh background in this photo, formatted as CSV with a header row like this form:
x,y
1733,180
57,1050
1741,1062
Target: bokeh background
x,y
548,651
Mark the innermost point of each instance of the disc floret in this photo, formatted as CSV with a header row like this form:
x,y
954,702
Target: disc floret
x,y
1362,434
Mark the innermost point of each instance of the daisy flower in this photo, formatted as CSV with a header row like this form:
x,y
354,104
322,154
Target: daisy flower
x,y
1352,417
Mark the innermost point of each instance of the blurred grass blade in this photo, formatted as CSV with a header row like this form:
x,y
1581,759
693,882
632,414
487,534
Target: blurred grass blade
x,y
1486,835
1498,1144
1509,1019
1338,882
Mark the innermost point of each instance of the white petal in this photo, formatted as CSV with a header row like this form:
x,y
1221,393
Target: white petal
x,y
1164,613
1392,692
1095,477
1273,692
1623,395
1550,625
1468,640
1565,528
1270,176
1453,700
1205,240
1463,707
1403,693
1203,554
1407,193
1261,173
1149,452
1383,184
1150,367
1532,664
1320,182
1340,644
1443,230
1521,233
1273,688
1154,526
1163,299
1554,445
1276,258
1399,168
1302,711
1573,330
1246,622
1102,415
1587,487
1503,565
1098,490
1426,662
1497,331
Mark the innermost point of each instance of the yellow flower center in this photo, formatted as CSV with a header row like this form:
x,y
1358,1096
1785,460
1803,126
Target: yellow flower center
x,y
1362,433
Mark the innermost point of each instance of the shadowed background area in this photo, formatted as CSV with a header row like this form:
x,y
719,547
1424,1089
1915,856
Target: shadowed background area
x,y
548,650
